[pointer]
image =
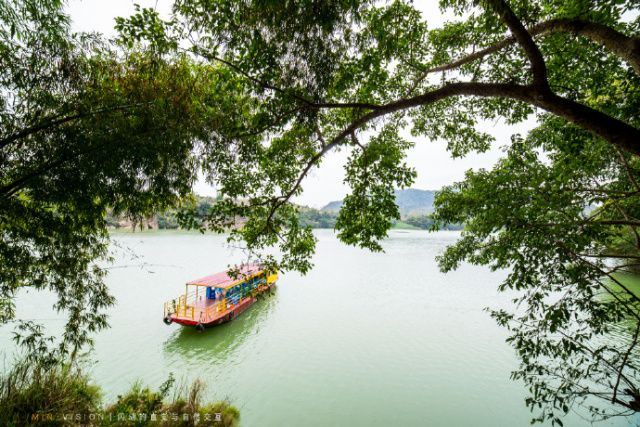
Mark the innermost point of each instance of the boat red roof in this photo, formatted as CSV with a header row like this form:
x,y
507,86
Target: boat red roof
x,y
223,280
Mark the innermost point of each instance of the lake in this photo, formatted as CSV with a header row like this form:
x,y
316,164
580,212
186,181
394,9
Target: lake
x,y
364,339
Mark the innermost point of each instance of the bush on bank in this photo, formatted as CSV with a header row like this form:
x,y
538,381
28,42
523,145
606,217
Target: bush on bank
x,y
62,395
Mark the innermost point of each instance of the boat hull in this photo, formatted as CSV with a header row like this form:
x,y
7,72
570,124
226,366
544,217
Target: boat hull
x,y
223,317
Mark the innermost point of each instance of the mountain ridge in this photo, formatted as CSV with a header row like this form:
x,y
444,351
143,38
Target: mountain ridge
x,y
410,201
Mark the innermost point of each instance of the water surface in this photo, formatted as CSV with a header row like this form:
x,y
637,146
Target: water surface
x,y
363,340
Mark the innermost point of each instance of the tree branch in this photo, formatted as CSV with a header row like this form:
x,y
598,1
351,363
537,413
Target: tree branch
x,y
11,188
52,122
634,341
609,128
630,222
628,170
625,47
620,256
538,67
267,85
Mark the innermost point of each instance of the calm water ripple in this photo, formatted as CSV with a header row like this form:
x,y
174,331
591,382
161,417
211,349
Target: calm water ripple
x,y
363,340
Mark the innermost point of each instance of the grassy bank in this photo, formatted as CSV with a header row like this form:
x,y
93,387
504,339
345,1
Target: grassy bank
x,y
63,395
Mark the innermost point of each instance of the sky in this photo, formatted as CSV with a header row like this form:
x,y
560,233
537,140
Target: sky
x,y
433,164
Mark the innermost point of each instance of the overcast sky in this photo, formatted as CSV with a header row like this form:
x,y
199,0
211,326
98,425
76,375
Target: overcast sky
x,y
434,165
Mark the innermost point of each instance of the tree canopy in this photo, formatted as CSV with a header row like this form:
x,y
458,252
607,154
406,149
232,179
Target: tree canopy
x,y
85,126
322,76
254,94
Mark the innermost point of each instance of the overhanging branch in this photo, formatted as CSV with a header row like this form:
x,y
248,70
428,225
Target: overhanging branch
x,y
625,47
609,128
520,33
54,122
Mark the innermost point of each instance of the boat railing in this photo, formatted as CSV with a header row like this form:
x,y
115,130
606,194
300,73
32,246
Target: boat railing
x,y
186,306
209,313
183,306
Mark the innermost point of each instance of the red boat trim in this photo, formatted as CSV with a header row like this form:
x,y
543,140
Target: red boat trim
x,y
224,316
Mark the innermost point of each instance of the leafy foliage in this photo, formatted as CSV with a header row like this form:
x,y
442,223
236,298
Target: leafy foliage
x,y
373,173
54,394
254,94
551,222
140,406
353,75
33,391
84,128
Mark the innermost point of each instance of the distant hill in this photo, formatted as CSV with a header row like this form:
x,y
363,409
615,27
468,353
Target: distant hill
x,y
411,201
415,208
332,206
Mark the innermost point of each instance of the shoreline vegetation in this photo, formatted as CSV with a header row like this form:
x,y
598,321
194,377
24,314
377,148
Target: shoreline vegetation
x,y
308,217
60,394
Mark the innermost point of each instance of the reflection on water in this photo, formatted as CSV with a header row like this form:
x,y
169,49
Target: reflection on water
x,y
218,343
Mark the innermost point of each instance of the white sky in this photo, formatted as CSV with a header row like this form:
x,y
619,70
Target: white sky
x,y
434,165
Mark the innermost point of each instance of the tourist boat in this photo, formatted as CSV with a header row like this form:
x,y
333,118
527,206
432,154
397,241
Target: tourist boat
x,y
219,298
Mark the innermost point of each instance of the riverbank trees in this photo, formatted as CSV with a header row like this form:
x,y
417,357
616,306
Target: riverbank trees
x,y
86,125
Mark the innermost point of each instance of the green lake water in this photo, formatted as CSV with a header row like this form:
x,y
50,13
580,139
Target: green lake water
x,y
364,339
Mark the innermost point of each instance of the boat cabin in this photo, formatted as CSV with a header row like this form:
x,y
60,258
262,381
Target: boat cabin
x,y
220,297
